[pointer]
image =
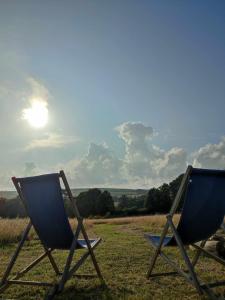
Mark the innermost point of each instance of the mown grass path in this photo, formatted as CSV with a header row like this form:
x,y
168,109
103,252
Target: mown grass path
x,y
123,257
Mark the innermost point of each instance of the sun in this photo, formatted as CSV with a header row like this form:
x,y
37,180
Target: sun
x,y
37,114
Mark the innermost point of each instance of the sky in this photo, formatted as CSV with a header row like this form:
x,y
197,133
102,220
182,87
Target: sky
x,y
129,92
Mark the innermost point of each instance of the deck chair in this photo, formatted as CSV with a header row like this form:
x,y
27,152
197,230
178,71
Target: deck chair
x,y
202,214
43,200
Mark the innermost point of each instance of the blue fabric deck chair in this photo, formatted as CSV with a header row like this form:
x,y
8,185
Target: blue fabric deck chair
x,y
202,214
43,200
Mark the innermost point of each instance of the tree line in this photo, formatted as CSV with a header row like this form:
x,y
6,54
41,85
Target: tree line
x,y
95,203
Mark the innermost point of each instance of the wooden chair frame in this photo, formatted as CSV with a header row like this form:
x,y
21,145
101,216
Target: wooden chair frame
x,y
189,274
69,270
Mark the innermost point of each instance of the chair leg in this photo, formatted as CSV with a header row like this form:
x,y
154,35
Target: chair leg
x,y
69,260
157,251
52,261
50,295
198,253
79,218
15,255
92,254
185,257
153,261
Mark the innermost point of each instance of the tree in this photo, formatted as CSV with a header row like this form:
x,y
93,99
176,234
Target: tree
x,y
104,204
174,187
165,200
2,205
159,200
123,202
94,202
12,208
151,202
86,202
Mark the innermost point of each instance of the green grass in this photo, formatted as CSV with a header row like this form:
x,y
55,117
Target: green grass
x,y
123,258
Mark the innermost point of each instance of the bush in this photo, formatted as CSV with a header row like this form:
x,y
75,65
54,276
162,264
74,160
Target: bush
x,y
94,202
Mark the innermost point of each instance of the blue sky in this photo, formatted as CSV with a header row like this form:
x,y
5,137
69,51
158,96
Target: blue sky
x,y
135,90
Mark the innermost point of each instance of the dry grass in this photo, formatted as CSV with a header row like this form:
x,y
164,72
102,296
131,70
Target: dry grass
x,y
12,229
158,220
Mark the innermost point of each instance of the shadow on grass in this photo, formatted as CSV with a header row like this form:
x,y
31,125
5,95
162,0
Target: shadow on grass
x,y
102,292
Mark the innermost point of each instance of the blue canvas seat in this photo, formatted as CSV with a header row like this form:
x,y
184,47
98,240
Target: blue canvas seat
x,y
43,200
155,239
45,206
203,192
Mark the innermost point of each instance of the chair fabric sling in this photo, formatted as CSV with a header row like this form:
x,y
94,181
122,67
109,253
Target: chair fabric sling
x,y
43,200
44,203
202,214
45,206
203,210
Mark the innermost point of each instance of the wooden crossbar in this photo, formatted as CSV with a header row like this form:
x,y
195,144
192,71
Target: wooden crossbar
x,y
29,282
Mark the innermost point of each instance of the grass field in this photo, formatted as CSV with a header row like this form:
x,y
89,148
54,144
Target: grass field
x,y
123,257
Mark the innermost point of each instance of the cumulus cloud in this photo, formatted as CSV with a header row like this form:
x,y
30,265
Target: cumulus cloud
x,y
50,140
136,137
210,156
134,132
98,167
27,169
145,163
142,165
172,163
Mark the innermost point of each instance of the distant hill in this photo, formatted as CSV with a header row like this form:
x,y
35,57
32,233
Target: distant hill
x,y
116,192
8,194
113,191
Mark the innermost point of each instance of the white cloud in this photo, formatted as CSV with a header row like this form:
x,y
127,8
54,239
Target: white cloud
x,y
145,163
173,163
28,169
133,132
210,156
51,140
98,167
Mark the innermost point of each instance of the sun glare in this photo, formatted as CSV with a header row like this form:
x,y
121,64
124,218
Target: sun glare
x,y
37,114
